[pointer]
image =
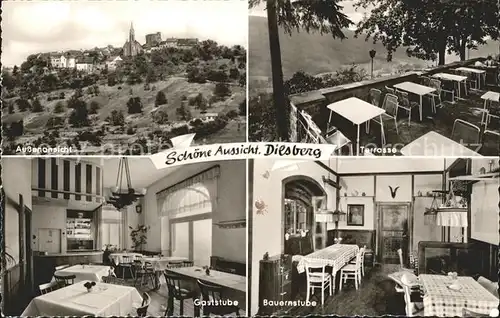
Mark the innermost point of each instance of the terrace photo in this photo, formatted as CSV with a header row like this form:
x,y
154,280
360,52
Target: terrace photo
x,y
341,76
122,77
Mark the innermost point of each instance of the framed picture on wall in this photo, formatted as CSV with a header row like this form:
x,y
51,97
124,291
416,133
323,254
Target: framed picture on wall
x,y
356,214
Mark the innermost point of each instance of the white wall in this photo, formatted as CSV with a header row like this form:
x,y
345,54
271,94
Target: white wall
x,y
227,243
484,205
16,176
49,216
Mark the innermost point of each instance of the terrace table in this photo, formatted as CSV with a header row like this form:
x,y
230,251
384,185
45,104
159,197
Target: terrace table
x,y
473,71
85,272
357,111
441,301
103,301
453,78
435,144
336,256
488,97
416,89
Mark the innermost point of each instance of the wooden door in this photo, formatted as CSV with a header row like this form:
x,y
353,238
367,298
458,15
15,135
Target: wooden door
x,y
49,240
394,231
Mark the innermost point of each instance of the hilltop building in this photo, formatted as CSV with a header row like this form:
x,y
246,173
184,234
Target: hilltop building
x,y
62,60
153,39
132,47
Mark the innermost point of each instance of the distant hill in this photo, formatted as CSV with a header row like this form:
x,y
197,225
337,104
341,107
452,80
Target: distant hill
x,y
315,53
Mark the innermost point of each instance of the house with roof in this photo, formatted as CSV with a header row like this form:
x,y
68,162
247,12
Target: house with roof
x,y
113,61
85,64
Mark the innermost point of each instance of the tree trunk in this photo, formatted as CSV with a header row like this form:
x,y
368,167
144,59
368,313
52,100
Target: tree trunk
x,y
463,49
277,72
442,55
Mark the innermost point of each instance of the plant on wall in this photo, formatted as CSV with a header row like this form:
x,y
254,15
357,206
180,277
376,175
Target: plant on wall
x,y
139,236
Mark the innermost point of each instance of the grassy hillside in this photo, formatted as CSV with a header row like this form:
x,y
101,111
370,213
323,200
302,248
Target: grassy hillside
x,y
315,53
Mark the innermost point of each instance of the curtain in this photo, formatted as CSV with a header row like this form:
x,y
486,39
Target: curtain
x,y
198,193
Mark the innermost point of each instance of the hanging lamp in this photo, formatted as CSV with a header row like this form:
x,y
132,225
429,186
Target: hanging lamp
x,y
123,194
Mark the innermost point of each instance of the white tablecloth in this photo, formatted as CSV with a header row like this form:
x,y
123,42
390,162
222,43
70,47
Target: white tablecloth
x,y
441,301
85,272
74,300
117,258
161,263
336,256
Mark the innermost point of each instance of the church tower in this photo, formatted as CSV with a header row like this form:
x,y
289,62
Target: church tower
x,y
131,35
132,47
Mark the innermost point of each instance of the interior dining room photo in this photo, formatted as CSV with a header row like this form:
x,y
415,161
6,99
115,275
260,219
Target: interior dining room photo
x,y
115,236
373,236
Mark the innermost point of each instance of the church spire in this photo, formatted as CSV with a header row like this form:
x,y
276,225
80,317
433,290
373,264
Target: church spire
x,y
131,36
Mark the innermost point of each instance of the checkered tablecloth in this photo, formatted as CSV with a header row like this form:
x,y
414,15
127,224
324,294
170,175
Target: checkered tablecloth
x,y
441,301
336,256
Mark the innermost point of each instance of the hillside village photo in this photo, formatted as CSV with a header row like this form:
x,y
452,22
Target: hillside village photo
x,y
125,81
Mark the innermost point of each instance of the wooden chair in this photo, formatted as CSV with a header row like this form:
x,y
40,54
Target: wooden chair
x,y
187,263
211,292
175,264
113,280
143,310
401,263
48,287
127,263
412,308
145,272
65,279
465,133
318,278
58,268
352,271
176,292
362,264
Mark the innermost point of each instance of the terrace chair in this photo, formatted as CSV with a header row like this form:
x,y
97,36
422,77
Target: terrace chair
x,y
143,310
405,104
176,292
465,133
471,80
352,271
126,263
334,136
353,261
390,90
412,308
435,83
211,292
375,95
426,81
48,287
390,106
318,278
65,280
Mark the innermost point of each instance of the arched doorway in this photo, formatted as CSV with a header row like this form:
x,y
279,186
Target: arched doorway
x,y
302,234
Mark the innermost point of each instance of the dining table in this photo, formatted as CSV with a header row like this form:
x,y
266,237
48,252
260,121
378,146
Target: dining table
x,y
474,71
459,79
435,144
446,297
104,300
85,272
358,112
160,264
336,256
417,89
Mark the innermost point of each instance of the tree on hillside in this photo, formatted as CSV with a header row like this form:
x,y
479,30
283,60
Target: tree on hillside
x,y
79,116
222,90
234,74
36,106
324,16
183,113
116,118
430,28
161,99
160,117
23,104
134,105
94,107
59,107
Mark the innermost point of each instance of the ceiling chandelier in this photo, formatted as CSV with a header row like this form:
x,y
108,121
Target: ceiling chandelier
x,y
124,195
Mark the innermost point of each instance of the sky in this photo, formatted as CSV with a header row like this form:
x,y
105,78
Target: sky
x,y
45,26
348,9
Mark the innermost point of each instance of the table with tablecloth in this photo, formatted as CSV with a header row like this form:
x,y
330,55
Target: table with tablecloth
x,y
74,300
442,301
160,264
336,256
85,272
117,258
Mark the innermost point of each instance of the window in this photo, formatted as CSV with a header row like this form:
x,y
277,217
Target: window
x,y
111,228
